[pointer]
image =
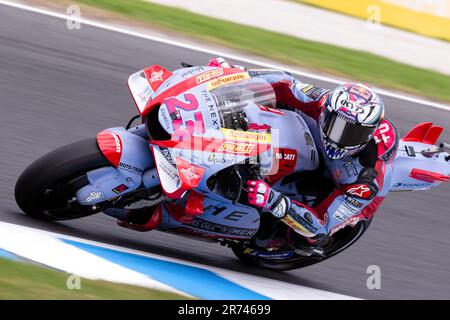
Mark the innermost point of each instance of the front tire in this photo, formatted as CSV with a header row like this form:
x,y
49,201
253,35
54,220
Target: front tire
x,y
46,188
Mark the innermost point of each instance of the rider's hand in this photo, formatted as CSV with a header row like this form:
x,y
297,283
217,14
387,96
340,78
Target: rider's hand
x,y
260,194
221,62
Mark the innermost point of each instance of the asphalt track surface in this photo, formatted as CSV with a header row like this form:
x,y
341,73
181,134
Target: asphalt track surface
x,y
58,86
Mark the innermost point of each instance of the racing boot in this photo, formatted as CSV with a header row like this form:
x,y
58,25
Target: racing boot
x,y
304,246
271,234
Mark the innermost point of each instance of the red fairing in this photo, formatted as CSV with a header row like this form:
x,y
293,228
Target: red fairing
x,y
425,133
156,75
190,175
429,176
286,160
111,146
195,203
187,84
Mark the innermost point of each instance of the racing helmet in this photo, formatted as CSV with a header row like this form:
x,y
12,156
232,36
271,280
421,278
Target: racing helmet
x,y
350,116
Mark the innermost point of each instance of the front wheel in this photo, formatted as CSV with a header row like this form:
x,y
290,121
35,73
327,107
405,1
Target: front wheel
x,y
46,189
341,240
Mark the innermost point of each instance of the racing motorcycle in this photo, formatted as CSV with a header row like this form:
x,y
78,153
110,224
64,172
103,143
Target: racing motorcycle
x,y
204,132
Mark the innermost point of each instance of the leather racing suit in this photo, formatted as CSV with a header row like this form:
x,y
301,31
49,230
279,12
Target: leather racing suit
x,y
361,182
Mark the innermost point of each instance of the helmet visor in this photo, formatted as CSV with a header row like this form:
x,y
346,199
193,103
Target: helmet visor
x,y
342,131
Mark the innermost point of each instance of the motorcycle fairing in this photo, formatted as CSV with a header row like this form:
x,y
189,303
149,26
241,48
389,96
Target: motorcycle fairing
x,y
408,173
130,157
144,83
179,82
219,219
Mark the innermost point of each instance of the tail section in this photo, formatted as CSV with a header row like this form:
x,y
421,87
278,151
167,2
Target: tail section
x,y
419,163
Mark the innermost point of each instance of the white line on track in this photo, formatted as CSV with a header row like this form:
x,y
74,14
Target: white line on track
x,y
176,43
17,241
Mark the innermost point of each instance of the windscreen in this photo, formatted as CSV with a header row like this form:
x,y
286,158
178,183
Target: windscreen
x,y
233,98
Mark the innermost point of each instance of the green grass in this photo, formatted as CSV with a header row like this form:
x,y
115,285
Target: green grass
x,y
28,281
357,65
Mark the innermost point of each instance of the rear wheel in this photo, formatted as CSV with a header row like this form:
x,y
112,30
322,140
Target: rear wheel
x,y
46,189
341,240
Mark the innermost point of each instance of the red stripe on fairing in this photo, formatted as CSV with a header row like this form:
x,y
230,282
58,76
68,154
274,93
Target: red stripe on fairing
x,y
185,85
429,176
369,210
110,145
211,145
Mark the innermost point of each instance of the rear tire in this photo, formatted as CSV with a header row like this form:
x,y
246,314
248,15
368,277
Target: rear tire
x,y
62,171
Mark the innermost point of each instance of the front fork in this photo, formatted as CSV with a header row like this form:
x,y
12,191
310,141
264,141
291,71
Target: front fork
x,y
132,166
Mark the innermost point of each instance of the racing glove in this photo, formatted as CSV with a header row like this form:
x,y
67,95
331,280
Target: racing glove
x,y
221,62
364,187
260,194
296,216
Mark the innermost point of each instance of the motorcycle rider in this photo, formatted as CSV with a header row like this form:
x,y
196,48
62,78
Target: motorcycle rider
x,y
357,145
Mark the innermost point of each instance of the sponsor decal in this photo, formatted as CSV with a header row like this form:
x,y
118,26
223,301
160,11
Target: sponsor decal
x,y
118,142
166,153
93,196
190,175
352,222
212,109
249,136
218,228
345,211
191,71
295,225
219,160
237,148
130,168
120,188
269,255
227,80
156,76
280,210
111,146
314,92
208,75
308,217
362,191
167,124
286,154
350,169
411,185
352,201
170,171
308,139
265,72
306,88
303,222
